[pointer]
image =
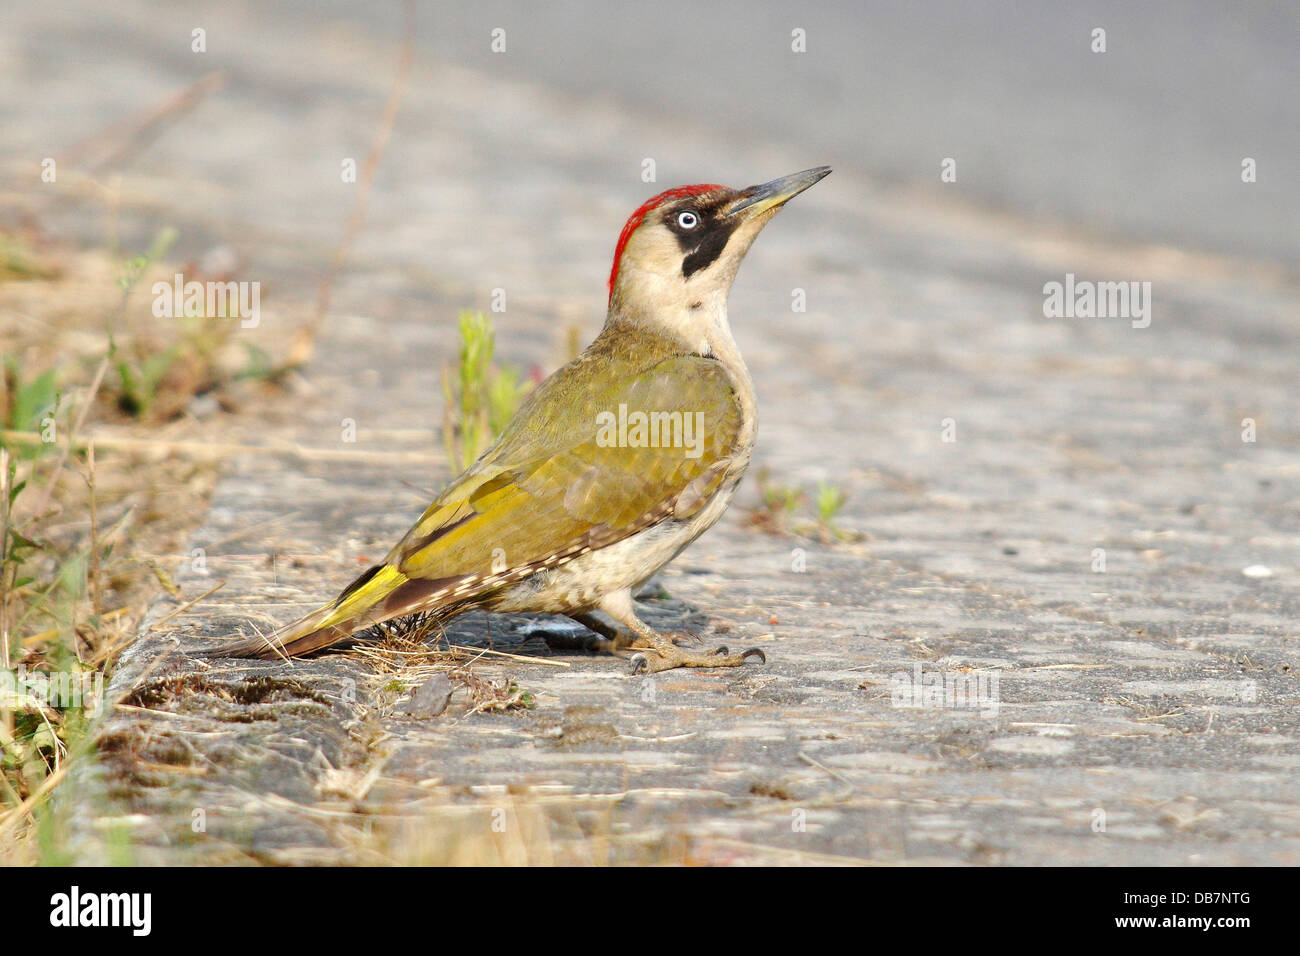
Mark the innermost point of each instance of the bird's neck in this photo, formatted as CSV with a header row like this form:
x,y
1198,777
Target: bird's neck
x,y
699,327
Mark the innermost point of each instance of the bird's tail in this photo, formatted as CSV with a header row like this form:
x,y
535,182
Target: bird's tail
x,y
361,605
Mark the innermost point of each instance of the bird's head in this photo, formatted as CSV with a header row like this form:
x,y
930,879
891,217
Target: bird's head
x,y
678,254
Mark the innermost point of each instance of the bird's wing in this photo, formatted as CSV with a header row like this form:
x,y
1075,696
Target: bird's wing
x,y
563,479
569,477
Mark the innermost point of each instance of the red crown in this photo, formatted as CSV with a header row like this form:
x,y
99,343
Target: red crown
x,y
638,217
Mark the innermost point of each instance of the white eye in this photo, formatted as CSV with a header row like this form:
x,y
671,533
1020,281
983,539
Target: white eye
x,y
687,219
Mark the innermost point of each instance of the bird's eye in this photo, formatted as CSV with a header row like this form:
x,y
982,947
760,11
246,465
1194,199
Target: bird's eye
x,y
687,219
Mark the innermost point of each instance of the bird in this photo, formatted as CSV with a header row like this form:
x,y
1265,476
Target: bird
x,y
609,468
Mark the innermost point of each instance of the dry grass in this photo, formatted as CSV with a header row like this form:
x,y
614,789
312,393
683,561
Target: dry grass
x,y
92,533
402,663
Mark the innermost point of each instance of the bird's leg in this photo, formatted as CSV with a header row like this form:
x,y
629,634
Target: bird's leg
x,y
609,636
652,651
606,637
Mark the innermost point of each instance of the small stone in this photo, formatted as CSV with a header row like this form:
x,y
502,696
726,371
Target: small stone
x,y
1257,571
219,262
204,406
430,698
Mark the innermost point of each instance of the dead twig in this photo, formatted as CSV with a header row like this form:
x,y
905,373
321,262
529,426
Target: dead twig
x,y
72,435
821,766
120,141
218,451
7,568
25,808
187,605
96,601
300,350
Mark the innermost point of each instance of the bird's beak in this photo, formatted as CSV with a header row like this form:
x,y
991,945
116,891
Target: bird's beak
x,y
756,200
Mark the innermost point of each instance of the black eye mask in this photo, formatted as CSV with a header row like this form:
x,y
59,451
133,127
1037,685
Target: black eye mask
x,y
703,244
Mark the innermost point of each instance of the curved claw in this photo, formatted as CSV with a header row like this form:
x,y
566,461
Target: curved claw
x,y
754,652
721,649
640,664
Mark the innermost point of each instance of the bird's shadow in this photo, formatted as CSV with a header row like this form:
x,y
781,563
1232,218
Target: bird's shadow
x,y
527,634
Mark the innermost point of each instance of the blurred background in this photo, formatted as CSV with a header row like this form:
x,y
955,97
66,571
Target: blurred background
x,y
1139,140
1144,140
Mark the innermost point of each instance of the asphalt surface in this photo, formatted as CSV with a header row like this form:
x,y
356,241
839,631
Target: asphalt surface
x,y
1145,140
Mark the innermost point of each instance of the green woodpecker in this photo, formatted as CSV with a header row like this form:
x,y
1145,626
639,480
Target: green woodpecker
x,y
612,465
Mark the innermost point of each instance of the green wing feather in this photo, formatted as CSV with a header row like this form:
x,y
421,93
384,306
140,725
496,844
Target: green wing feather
x,y
551,487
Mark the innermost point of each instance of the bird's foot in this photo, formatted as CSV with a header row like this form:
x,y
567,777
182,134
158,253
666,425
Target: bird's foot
x,y
612,642
648,650
661,652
